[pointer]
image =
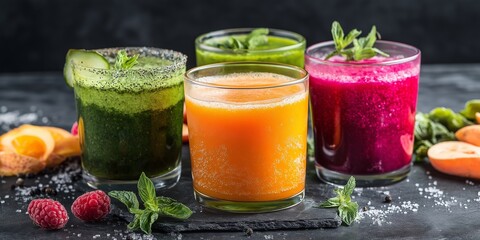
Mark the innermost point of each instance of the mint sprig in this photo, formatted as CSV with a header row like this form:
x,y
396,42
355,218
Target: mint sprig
x,y
362,47
347,210
256,38
123,61
154,207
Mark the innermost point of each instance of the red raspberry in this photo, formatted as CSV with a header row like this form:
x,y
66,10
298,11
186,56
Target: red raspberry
x,y
74,130
47,213
91,206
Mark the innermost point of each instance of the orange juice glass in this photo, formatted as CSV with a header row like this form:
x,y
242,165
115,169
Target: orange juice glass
x,y
247,126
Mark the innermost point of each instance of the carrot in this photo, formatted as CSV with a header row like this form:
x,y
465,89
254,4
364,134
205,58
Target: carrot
x,y
469,134
456,158
477,116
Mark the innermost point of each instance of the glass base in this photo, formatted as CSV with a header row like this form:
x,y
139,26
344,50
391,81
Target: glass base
x,y
164,181
338,178
248,207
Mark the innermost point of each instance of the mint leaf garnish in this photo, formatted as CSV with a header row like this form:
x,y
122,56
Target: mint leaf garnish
x,y
256,38
123,61
128,198
347,210
154,206
362,47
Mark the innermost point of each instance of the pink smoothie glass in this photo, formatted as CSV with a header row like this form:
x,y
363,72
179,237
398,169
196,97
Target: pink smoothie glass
x,y
363,113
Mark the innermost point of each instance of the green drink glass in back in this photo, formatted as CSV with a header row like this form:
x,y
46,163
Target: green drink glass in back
x,y
130,120
282,47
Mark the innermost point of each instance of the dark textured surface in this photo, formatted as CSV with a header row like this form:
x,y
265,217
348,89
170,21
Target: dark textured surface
x,y
447,206
36,35
302,216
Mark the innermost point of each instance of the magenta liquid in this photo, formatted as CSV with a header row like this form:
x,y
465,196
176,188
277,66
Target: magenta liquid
x,y
363,114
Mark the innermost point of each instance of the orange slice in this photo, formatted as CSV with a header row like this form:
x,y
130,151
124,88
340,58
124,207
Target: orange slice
x,y
456,158
66,144
14,164
469,134
30,141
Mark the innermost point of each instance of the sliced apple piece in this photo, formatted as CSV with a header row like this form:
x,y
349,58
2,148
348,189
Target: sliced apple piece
x,y
456,158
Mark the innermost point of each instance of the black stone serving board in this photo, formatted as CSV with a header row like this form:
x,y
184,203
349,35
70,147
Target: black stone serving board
x,y
303,216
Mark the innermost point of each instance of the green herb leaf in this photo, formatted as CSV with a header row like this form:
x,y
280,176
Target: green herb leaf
x,y
128,198
256,38
349,187
347,210
135,224
154,206
332,202
175,210
123,61
146,189
362,47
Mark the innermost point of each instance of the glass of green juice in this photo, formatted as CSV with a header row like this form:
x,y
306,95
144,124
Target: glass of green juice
x,y
130,120
280,46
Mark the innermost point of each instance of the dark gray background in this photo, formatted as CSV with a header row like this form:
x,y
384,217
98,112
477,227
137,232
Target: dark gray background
x,y
35,34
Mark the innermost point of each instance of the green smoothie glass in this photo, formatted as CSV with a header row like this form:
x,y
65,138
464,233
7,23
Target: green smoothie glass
x,y
130,120
282,47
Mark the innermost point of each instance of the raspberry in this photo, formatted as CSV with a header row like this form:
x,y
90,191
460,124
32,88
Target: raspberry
x,y
47,213
91,206
74,130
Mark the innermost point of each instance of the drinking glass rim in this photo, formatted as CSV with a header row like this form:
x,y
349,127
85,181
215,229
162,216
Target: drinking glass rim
x,y
178,60
199,41
317,60
301,79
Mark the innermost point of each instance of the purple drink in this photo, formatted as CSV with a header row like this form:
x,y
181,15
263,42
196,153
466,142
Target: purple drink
x,y
363,113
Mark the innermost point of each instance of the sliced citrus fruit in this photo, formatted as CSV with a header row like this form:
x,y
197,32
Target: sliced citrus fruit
x,y
29,140
469,134
14,164
456,158
66,145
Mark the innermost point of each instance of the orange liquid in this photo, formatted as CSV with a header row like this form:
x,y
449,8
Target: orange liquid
x,y
248,145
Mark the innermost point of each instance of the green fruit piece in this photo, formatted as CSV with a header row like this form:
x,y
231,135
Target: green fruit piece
x,y
86,58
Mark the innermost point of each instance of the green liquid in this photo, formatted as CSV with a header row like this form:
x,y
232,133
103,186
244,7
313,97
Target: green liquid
x,y
129,124
292,56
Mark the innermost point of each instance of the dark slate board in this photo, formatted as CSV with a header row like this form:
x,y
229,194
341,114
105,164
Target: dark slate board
x,y
303,216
